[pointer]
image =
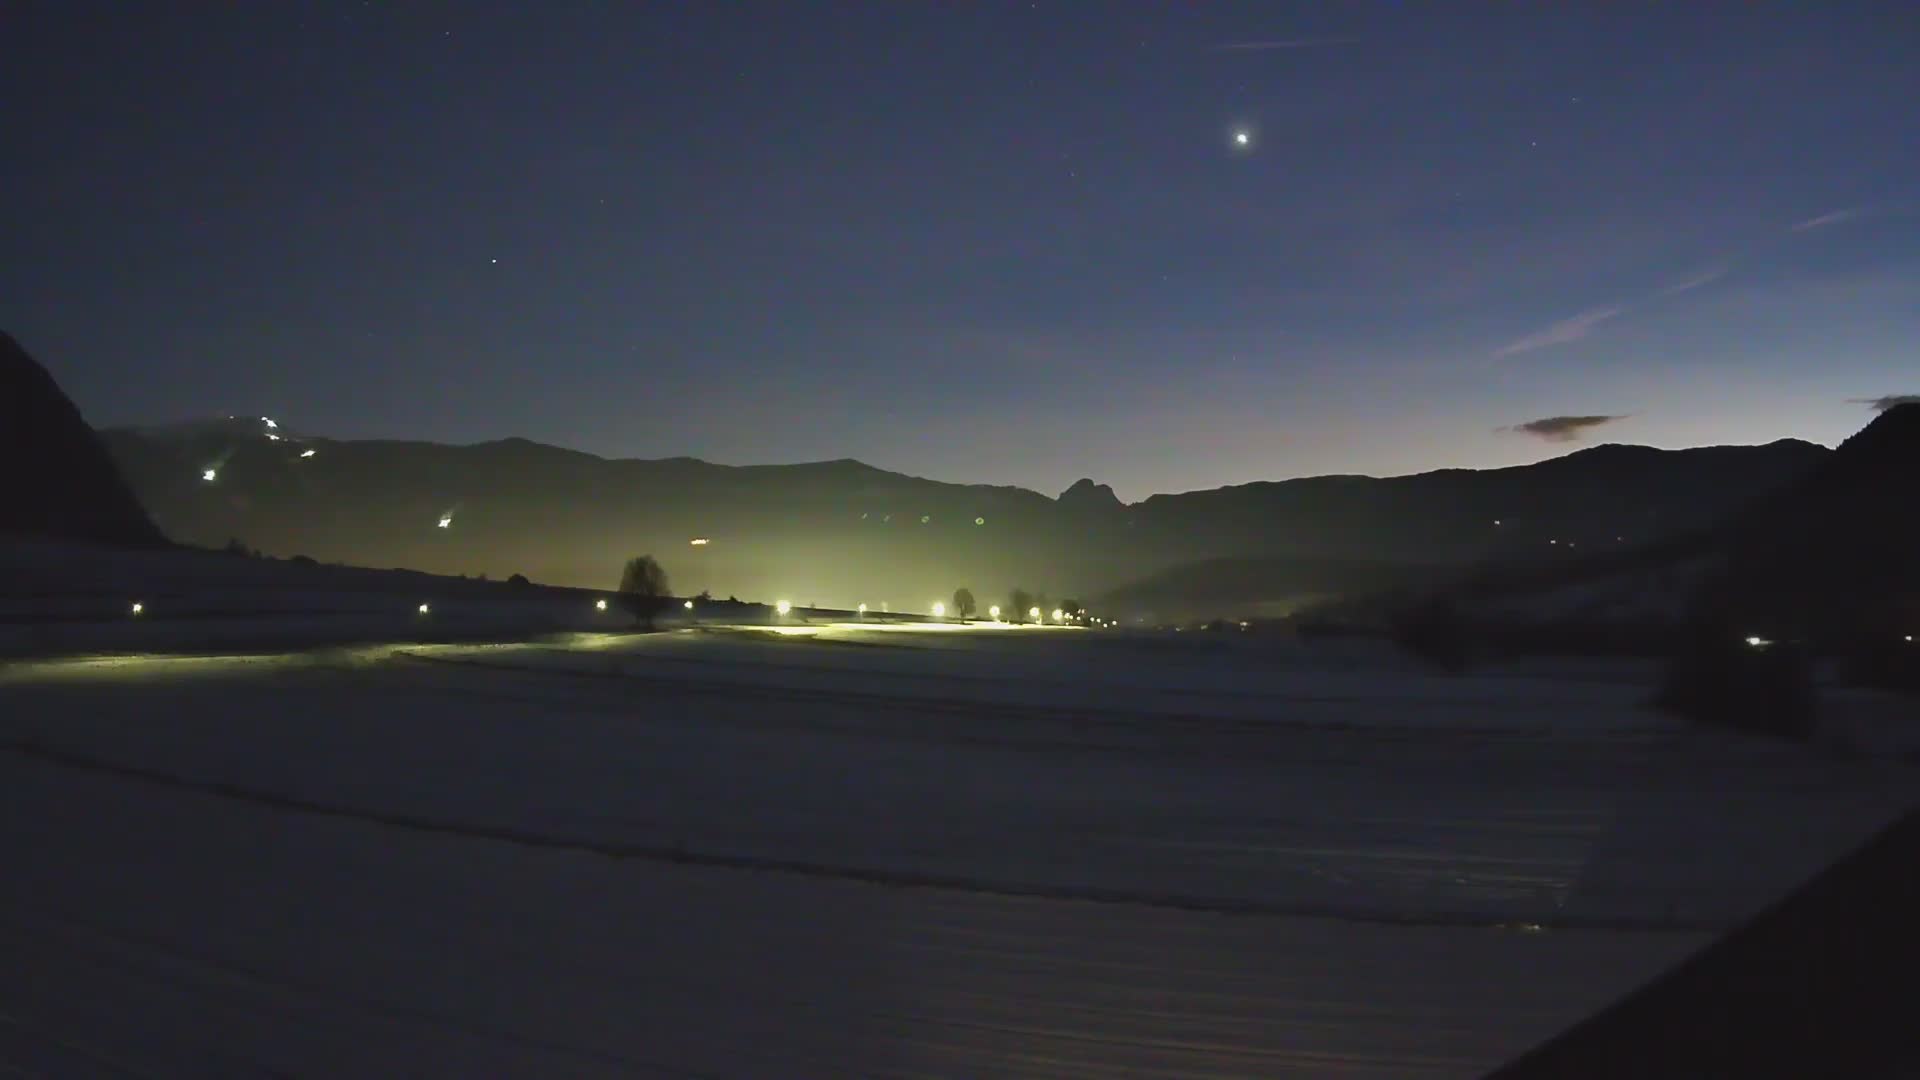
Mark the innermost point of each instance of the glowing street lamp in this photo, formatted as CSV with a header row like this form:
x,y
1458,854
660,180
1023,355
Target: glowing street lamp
x,y
688,605
783,607
599,605
1058,615
939,610
1033,614
209,475
698,541
426,609
994,613
446,520
863,609
306,453
136,608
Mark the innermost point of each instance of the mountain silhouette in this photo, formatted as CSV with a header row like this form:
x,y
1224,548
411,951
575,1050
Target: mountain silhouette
x,y
1831,554
1839,551
844,532
1087,495
61,482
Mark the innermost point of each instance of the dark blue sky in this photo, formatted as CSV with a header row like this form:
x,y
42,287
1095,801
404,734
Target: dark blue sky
x,y
1011,243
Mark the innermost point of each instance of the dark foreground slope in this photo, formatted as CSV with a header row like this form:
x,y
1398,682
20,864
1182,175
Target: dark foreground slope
x,y
59,481
1816,986
842,532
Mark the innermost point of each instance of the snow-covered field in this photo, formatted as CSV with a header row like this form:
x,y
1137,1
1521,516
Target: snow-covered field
x,y
833,849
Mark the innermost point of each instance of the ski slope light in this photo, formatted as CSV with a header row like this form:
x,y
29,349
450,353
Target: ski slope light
x,y
1757,642
306,453
698,541
268,420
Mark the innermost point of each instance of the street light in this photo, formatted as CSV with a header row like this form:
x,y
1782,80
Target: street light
x,y
426,609
939,610
994,613
863,609
1033,614
209,474
137,608
783,607
599,605
688,605
1059,615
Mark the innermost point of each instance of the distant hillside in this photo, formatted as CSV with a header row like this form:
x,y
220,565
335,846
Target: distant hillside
x,y
1834,552
59,481
843,532
1262,587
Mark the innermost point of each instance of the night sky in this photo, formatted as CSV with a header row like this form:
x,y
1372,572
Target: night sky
x,y
1007,243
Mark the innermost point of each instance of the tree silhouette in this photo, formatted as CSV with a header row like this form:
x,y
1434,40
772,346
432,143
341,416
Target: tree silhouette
x,y
963,604
643,589
1020,603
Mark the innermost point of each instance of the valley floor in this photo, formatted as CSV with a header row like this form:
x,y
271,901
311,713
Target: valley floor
x,y
735,852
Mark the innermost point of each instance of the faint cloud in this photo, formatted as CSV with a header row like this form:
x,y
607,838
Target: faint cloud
x,y
1284,43
1704,277
1562,428
1560,333
1831,217
1882,404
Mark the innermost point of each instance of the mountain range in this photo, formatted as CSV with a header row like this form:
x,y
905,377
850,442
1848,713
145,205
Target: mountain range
x,y
844,532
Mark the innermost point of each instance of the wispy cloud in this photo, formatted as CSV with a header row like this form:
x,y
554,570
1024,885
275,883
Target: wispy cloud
x,y
1560,333
1704,277
1284,43
1562,428
1882,404
1831,217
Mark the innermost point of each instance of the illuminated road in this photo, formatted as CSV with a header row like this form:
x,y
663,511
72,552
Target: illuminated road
x,y
684,856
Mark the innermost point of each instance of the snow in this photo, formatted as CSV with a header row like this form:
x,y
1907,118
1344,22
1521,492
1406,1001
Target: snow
x,y
856,849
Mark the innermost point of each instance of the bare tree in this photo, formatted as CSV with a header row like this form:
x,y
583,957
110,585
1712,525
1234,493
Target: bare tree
x,y
643,589
963,604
